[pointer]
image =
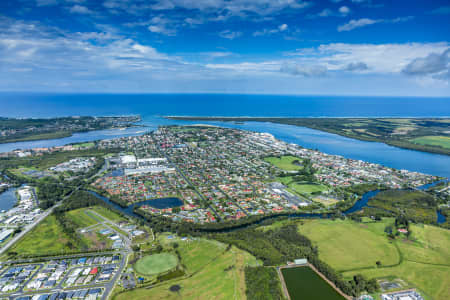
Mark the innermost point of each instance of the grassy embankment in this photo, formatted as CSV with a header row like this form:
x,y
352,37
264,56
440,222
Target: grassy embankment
x,y
212,272
422,261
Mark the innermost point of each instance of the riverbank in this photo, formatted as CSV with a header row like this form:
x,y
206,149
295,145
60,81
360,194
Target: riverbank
x,y
398,132
133,211
31,129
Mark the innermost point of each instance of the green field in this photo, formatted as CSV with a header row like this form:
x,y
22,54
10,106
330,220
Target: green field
x,y
284,162
307,188
213,272
156,263
107,213
439,140
47,237
305,284
349,245
80,218
423,261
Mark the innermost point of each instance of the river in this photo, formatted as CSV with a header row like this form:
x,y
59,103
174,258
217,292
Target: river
x,y
357,206
428,163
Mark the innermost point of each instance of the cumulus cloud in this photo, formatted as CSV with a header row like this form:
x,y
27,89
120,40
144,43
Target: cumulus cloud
x,y
304,70
79,9
436,64
231,35
341,12
356,66
162,25
344,10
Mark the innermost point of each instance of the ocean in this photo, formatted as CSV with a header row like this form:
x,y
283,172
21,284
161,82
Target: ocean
x,y
153,107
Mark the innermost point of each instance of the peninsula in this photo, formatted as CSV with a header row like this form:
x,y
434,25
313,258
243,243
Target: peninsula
x,y
31,129
421,134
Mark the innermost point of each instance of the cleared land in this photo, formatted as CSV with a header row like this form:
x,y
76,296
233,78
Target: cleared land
x,y
348,245
440,141
156,263
213,273
47,237
285,162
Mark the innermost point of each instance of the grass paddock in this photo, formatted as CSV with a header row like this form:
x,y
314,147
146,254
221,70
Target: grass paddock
x,y
156,263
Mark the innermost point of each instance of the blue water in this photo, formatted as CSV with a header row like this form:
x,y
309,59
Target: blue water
x,y
129,210
8,199
152,107
440,217
51,105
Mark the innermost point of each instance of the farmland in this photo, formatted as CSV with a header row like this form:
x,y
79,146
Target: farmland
x,y
347,245
440,141
353,248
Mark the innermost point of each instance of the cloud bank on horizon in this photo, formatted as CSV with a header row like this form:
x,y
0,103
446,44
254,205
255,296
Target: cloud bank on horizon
x,y
345,47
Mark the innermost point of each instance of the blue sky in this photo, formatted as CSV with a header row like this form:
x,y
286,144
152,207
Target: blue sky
x,y
334,47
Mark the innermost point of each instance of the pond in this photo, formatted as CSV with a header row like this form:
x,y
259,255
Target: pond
x,y
303,283
160,203
8,199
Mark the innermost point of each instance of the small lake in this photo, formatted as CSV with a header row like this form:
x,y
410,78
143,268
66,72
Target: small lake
x,y
160,203
303,283
8,199
440,217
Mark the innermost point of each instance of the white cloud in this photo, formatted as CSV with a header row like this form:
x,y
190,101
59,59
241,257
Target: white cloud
x,y
341,12
265,31
304,70
283,27
162,25
353,24
344,10
79,9
231,35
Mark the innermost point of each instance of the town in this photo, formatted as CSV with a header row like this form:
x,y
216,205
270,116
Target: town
x,y
225,174
197,174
